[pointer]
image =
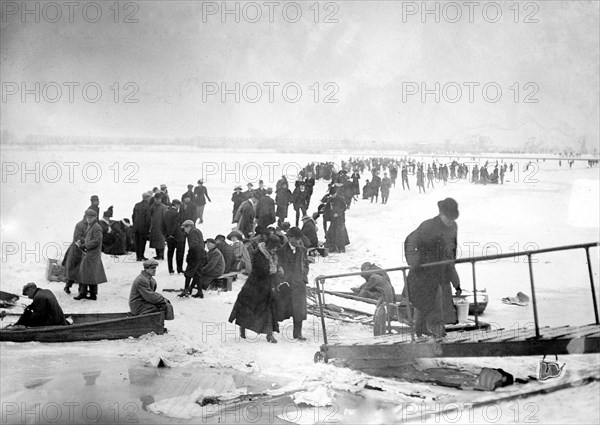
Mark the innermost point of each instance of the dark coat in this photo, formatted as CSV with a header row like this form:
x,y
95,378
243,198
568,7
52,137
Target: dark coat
x,y
214,267
196,257
157,227
432,241
143,297
141,217
309,229
237,198
255,307
188,212
300,199
91,270
113,237
228,255
74,254
201,195
337,234
283,200
266,211
43,311
291,300
173,229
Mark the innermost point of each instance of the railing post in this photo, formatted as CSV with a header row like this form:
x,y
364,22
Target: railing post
x,y
589,264
408,308
535,314
475,296
321,309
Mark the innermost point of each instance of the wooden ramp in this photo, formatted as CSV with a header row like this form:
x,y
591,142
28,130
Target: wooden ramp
x,y
396,350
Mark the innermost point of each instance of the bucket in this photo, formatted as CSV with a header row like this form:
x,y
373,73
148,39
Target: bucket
x,y
462,310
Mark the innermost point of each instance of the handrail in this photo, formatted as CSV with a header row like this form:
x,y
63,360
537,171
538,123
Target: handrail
x,y
320,280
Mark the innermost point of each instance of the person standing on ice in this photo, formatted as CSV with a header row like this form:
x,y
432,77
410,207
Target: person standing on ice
x,y
291,302
196,258
74,255
404,174
386,183
95,204
141,225
200,199
91,270
429,290
158,227
255,307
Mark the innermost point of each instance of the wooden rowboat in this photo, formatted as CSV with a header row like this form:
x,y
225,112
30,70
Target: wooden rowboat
x,y
90,327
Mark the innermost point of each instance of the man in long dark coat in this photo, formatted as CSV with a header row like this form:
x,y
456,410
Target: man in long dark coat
x,y
196,258
292,291
91,269
337,235
174,235
157,227
227,252
265,210
141,225
237,197
74,255
43,311
283,198
309,229
434,240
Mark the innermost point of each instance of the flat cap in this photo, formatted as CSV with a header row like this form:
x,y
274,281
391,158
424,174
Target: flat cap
x,y
150,263
28,286
186,223
90,213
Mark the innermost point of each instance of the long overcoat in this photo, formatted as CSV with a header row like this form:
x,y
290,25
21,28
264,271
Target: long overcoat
x,y
291,299
91,270
432,241
158,227
74,254
255,307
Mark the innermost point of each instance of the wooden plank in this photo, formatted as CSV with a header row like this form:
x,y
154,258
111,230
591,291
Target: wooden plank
x,y
580,333
572,331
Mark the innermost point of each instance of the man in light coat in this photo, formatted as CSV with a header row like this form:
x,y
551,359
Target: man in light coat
x,y
91,270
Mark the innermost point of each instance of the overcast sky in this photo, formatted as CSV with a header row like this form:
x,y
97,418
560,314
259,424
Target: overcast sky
x,y
372,56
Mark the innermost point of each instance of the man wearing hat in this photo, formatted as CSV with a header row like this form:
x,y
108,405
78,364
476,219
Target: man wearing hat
x,y
249,193
164,193
189,193
95,204
141,225
196,258
309,230
260,190
74,256
91,270
157,227
214,267
201,195
143,298
43,311
237,198
292,297
429,290
265,209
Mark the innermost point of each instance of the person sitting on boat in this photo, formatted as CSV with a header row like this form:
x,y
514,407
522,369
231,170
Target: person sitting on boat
x,y
43,311
143,298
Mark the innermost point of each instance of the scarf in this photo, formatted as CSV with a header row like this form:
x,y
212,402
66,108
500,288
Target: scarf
x,y
271,257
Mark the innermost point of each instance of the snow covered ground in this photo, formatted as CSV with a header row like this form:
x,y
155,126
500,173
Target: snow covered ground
x,y
45,192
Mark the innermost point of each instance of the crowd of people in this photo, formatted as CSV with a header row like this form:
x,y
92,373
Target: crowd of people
x,y
265,246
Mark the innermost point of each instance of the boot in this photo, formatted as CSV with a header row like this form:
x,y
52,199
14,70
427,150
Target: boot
x,y
270,338
186,289
242,332
297,333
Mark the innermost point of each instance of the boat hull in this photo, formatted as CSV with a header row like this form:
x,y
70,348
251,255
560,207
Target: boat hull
x,y
90,327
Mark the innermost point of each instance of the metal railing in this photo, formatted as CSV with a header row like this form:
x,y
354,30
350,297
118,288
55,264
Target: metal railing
x,y
320,280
